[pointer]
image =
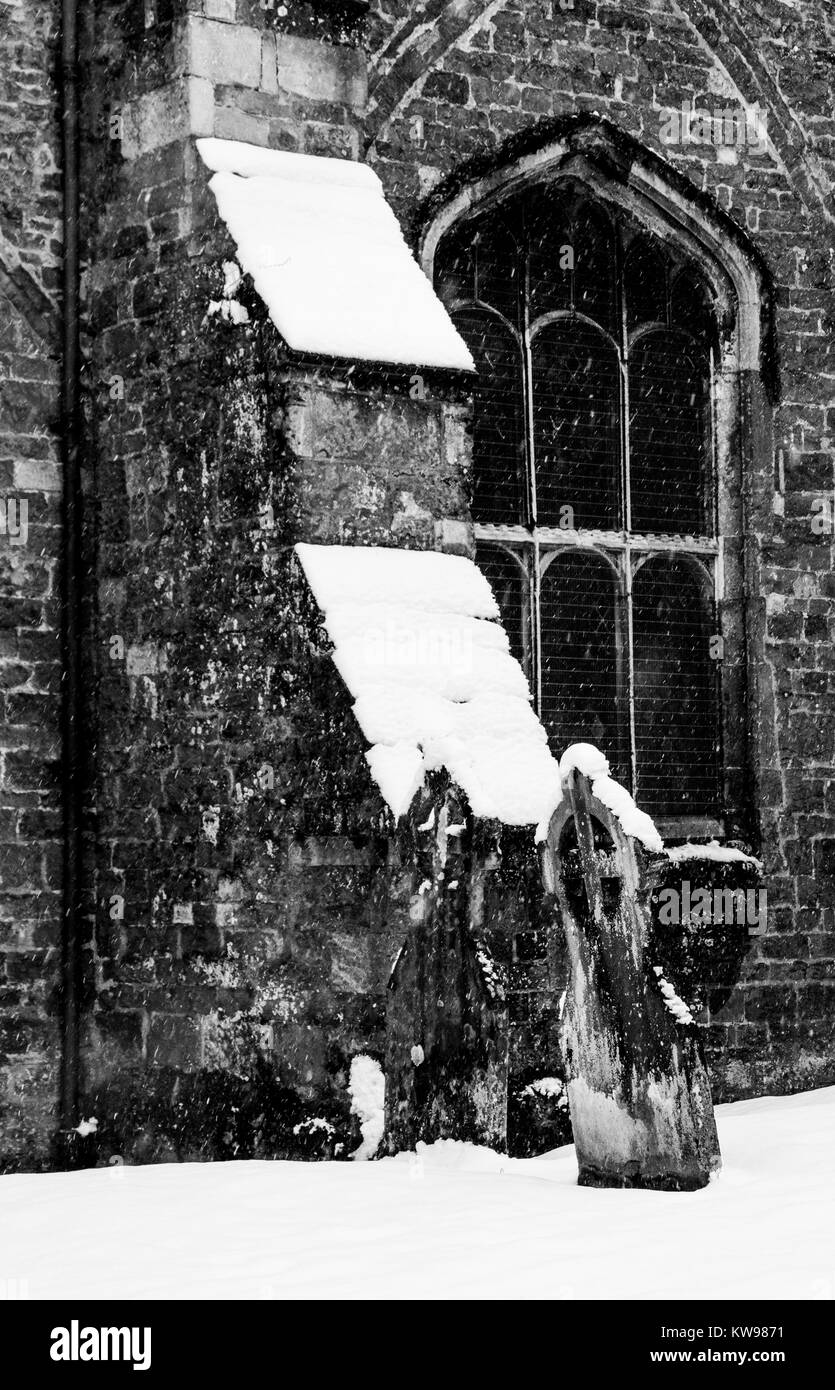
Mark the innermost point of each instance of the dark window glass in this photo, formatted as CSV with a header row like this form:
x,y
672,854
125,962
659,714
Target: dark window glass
x,y
551,256
499,266
455,267
571,259
676,708
511,586
576,394
690,309
644,283
669,435
594,266
483,262
582,656
499,487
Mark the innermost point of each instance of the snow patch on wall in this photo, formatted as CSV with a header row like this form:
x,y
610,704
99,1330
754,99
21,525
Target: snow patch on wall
x,y
676,1006
548,1088
367,1087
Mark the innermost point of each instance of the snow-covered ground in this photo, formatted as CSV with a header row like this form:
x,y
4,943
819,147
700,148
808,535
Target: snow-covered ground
x,y
455,1222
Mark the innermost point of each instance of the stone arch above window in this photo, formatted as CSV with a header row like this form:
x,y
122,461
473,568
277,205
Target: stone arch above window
x,y
612,342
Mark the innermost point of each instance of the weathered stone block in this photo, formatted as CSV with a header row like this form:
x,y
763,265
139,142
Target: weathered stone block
x,y
231,124
322,71
223,53
456,537
37,475
269,69
220,9
331,851
174,1041
350,963
824,860
155,119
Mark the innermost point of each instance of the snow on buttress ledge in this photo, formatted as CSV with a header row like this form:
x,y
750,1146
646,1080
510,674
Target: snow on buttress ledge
x,y
418,643
328,258
719,854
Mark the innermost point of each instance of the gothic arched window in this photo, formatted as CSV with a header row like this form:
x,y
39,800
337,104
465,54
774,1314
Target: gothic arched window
x,y
594,491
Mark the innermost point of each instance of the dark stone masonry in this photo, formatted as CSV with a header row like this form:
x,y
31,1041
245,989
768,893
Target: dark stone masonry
x,y
244,891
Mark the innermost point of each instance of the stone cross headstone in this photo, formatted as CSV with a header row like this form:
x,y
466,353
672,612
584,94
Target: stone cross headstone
x,y
638,1089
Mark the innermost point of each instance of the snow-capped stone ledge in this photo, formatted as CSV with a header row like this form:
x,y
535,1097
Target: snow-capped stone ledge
x,y
328,258
418,642
713,851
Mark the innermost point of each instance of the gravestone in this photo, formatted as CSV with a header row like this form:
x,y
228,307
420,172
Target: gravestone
x,y
446,1054
638,1090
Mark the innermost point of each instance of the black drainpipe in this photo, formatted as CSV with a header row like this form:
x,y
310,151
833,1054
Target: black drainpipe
x,y
71,578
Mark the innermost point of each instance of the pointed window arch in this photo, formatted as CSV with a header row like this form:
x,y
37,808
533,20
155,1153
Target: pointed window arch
x,y
602,342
